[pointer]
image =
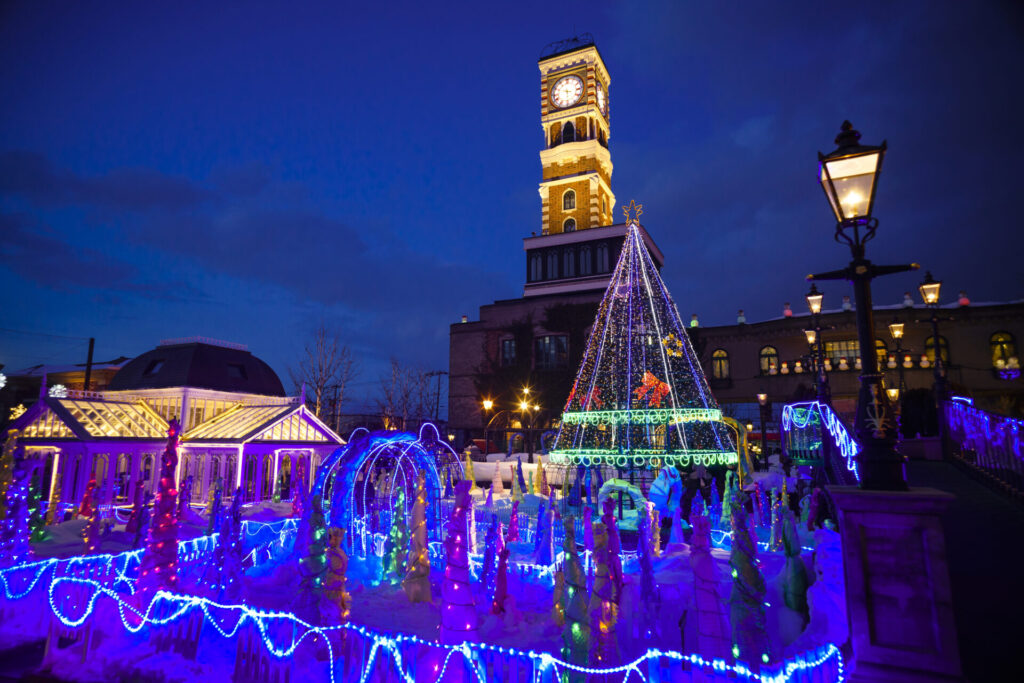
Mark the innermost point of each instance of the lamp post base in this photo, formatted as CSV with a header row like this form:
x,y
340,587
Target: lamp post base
x,y
898,595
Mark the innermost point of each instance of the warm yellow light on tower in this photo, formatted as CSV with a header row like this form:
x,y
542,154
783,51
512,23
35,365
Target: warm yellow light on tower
x,y
488,404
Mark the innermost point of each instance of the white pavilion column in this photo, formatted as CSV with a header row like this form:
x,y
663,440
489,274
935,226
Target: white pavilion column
x,y
259,476
134,465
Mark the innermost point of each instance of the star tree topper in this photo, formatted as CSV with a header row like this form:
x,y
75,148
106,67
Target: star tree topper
x,y
633,212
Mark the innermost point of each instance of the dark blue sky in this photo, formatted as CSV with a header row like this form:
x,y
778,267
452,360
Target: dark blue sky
x,y
245,171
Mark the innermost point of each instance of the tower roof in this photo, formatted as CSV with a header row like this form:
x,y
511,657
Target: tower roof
x,y
202,364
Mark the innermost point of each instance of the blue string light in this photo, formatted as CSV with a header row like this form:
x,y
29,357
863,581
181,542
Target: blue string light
x,y
800,415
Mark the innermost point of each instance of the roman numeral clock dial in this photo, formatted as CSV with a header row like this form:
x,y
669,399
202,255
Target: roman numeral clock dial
x,y
567,91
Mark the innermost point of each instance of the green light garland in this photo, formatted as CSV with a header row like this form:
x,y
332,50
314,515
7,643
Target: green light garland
x,y
641,456
651,416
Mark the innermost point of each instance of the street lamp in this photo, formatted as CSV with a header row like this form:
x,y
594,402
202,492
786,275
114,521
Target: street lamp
x,y
896,331
487,404
766,407
814,299
849,178
930,294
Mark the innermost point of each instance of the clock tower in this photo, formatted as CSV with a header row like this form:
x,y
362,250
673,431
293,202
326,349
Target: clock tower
x,y
575,188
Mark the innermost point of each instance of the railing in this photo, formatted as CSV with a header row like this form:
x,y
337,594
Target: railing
x,y
988,443
813,433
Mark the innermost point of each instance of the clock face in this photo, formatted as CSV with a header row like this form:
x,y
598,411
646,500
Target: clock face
x,y
567,91
602,103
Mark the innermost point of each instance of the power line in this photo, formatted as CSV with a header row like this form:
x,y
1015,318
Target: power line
x,y
42,334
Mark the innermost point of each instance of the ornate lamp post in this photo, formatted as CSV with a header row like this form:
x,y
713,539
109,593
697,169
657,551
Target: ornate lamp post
x,y
766,407
487,404
814,299
896,332
930,294
849,177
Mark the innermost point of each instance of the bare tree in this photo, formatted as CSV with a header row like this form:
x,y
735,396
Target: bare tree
x,y
404,395
326,369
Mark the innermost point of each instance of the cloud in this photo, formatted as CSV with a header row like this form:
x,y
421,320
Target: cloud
x,y
33,177
38,253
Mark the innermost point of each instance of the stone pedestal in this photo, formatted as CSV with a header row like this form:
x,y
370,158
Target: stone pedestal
x,y
897,585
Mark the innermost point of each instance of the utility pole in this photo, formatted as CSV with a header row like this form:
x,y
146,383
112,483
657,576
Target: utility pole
x,y
88,363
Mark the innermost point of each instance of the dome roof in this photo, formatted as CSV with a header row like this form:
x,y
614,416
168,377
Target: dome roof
x,y
200,364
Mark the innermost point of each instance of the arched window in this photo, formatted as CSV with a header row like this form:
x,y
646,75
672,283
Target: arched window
x,y
568,132
929,349
769,357
585,256
1004,347
602,258
569,200
569,225
556,133
569,263
552,265
720,364
882,351
536,268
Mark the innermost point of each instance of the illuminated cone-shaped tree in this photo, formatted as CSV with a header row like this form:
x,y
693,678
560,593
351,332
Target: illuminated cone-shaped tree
x,y
519,474
542,481
794,574
544,544
513,522
558,599
611,527
397,547
645,551
158,568
7,469
334,582
142,523
216,493
313,567
489,569
213,512
448,490
746,601
469,474
603,606
85,508
489,503
655,522
726,522
532,484
497,485
53,506
517,489
500,583
775,540
91,532
133,519
640,392
14,540
37,527
278,487
298,487
712,622
184,498
416,583
576,632
458,611
715,511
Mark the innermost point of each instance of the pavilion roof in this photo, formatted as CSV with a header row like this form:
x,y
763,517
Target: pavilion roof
x,y
244,423
90,420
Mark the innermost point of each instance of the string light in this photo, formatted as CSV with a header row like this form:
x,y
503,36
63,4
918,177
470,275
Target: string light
x,y
800,416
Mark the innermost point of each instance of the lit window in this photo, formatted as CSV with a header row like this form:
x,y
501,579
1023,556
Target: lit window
x,y
569,225
569,200
929,349
720,364
768,357
849,350
551,352
882,351
1003,349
